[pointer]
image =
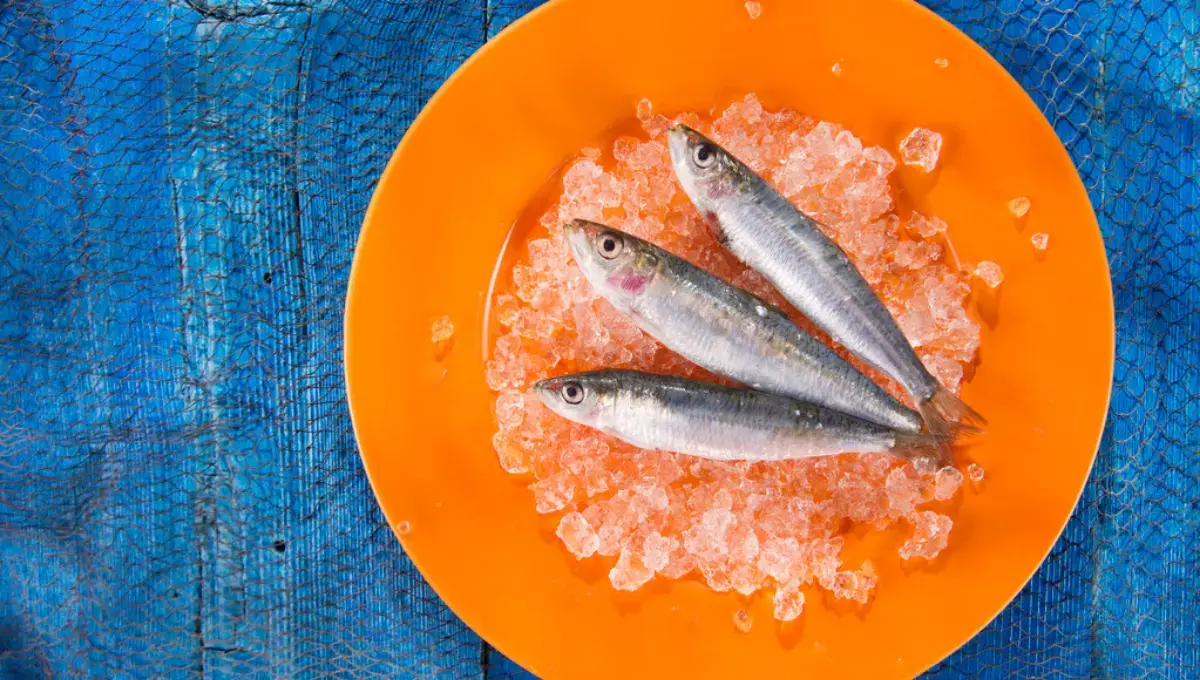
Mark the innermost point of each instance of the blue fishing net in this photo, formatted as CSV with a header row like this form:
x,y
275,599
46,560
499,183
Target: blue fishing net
x,y
181,185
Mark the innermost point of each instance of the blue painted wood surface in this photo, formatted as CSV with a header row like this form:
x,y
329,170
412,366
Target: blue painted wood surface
x,y
181,189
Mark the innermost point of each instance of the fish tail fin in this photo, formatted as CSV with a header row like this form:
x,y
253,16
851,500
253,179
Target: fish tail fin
x,y
955,431
950,416
914,445
947,418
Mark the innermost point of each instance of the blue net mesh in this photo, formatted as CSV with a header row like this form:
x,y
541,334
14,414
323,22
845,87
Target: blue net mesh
x,y
182,184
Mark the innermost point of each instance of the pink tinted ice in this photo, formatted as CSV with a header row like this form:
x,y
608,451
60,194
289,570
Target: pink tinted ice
x,y
741,527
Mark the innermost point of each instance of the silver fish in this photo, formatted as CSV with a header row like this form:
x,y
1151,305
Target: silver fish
x,y
669,413
724,329
765,231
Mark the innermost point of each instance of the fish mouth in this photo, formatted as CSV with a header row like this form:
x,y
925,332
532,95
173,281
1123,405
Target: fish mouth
x,y
580,225
679,136
683,133
546,389
575,226
579,236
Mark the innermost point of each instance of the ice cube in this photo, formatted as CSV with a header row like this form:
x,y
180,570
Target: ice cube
x,y
903,492
553,494
1019,206
754,9
630,573
921,148
926,227
947,371
657,550
743,621
510,410
505,309
777,557
946,483
850,585
930,537
645,109
975,472
1040,240
577,535
789,602
989,272
443,329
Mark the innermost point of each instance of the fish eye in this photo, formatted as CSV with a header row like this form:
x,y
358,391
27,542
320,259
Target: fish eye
x,y
572,392
703,155
611,246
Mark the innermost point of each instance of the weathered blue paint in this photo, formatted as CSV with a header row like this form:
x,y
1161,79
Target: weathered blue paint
x,y
181,189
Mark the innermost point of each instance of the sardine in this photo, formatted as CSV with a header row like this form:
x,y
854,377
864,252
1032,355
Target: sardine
x,y
725,329
766,232
669,413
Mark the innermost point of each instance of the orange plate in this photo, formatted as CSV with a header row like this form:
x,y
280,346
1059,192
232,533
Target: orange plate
x,y
558,80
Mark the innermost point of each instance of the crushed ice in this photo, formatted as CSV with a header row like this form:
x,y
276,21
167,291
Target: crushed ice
x,y
742,527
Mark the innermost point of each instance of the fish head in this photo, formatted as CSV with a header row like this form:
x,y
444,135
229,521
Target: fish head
x,y
707,172
620,265
581,397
